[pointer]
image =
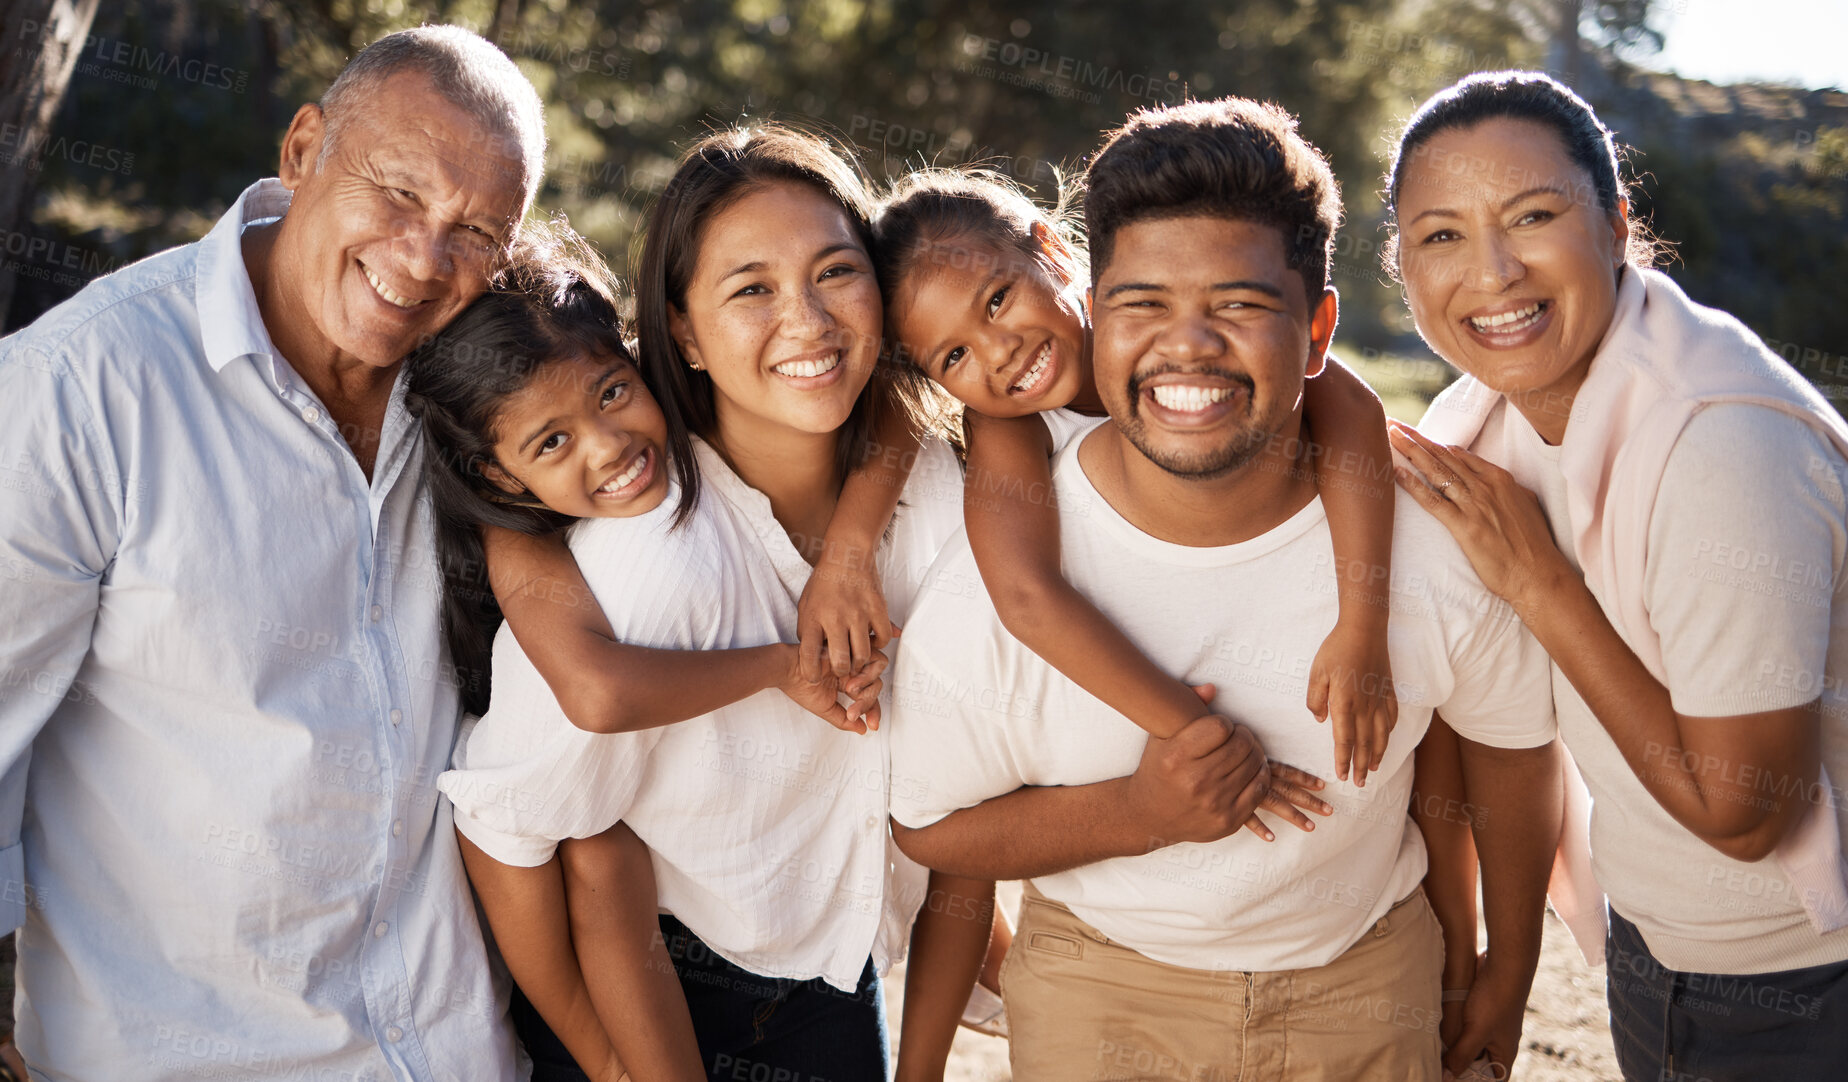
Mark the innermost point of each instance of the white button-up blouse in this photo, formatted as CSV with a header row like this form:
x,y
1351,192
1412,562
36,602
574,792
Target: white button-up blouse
x,y
767,825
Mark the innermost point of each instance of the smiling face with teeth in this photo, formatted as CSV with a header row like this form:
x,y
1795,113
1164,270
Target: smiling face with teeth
x,y
585,438
393,235
1510,264
996,329
1202,338
783,313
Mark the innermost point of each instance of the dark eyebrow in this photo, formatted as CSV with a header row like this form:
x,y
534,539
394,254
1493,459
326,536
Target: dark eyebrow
x,y
1218,287
758,264
979,298
538,431
1544,189
596,387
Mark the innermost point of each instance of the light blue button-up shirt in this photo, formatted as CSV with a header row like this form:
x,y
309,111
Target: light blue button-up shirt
x,y
224,702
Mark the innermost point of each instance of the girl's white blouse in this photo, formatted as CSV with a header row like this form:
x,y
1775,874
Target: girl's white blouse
x,y
767,825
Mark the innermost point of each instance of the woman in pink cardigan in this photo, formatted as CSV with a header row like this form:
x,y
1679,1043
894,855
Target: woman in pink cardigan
x,y
1662,501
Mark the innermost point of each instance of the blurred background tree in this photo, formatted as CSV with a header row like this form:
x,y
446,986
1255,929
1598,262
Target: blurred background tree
x,y
176,105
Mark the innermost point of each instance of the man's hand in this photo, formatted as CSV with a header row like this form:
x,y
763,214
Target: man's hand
x,y
1208,780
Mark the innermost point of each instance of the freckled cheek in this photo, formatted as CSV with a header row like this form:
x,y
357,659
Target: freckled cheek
x,y
733,341
862,316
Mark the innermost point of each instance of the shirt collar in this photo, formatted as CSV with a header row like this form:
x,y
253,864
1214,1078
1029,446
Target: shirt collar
x,y
230,323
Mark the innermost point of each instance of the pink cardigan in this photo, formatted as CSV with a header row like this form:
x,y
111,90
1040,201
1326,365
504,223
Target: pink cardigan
x,y
1663,360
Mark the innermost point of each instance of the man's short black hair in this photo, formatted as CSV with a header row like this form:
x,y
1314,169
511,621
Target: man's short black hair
x,y
1231,158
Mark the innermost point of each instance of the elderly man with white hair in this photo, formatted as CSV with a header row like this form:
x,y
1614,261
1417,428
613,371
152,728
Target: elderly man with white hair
x,y
224,696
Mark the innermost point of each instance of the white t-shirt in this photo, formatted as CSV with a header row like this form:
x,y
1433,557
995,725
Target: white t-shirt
x,y
767,825
976,715
1744,587
1066,425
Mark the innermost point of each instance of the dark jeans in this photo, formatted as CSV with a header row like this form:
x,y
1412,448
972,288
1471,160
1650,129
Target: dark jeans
x,y
760,1029
1670,1026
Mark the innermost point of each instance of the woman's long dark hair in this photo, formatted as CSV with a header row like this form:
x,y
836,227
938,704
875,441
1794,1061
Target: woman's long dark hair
x,y
713,174
555,301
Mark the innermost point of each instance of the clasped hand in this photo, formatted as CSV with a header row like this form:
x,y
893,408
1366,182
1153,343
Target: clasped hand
x,y
1209,779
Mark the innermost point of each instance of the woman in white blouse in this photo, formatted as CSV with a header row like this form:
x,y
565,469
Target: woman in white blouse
x,y
782,896
1662,500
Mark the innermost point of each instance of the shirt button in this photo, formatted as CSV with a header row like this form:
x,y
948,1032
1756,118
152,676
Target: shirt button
x,y
378,930
378,613
397,715
393,1033
311,415
397,829
872,822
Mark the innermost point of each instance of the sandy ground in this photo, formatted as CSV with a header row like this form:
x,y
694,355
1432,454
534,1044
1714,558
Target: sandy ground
x,y
1566,1038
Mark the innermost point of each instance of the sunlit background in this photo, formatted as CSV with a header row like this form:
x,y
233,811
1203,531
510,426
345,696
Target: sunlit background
x,y
1799,42
1742,155
1739,145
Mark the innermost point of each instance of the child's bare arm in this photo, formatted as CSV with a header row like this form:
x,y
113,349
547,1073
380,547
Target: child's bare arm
x,y
1351,678
525,908
948,943
841,617
1013,528
611,897
606,686
1440,807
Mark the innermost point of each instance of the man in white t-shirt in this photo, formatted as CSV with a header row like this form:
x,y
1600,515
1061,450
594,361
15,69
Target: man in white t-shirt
x,y
1155,942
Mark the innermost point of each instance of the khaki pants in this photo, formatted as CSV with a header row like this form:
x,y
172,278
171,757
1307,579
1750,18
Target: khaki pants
x,y
1080,1006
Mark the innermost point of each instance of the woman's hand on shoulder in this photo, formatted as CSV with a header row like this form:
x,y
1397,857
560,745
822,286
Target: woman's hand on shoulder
x,y
1499,524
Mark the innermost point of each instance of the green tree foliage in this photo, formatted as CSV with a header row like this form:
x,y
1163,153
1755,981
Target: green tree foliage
x,y
192,97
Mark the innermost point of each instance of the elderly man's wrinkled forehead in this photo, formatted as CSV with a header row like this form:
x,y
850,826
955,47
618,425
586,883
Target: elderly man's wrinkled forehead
x,y
494,118
409,131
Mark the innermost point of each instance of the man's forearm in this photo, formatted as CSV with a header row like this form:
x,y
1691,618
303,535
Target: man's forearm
x,y
1518,797
1032,831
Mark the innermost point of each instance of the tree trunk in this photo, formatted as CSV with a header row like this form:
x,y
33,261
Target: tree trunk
x,y
1565,49
506,18
39,44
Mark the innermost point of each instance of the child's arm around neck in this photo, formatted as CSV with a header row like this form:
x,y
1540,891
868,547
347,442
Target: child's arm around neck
x,y
606,686
1013,528
841,618
1350,680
